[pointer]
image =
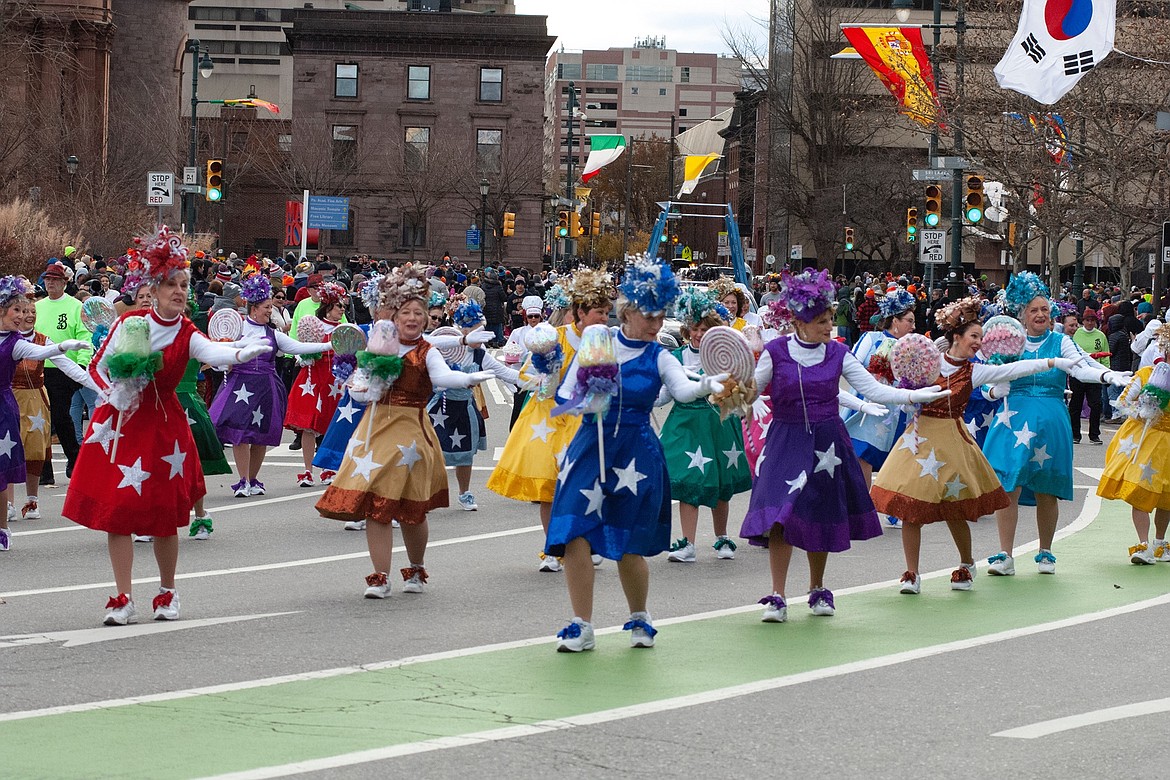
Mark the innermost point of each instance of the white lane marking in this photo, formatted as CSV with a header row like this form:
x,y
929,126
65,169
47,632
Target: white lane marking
x,y
1091,473
1047,727
271,566
88,636
497,454
678,702
1082,520
497,394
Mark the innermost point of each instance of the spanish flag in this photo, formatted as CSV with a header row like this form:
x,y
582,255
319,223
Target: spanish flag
x,y
899,58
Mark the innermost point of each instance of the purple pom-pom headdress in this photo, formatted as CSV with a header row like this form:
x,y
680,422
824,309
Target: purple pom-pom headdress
x,y
12,287
649,284
256,288
807,294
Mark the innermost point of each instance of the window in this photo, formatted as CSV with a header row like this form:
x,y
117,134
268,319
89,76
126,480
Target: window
x,y
647,73
601,72
662,92
284,142
491,85
633,90
345,81
344,147
568,70
343,237
488,144
418,82
414,230
684,75
682,128
418,141
682,112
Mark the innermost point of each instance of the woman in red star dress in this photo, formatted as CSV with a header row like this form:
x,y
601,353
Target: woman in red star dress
x,y
315,392
138,471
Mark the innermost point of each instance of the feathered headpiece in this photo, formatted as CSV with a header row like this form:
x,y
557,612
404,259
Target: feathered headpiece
x,y
437,300
695,304
721,287
405,283
959,313
256,288
159,256
467,314
133,281
12,287
1163,337
590,288
649,284
895,303
331,294
555,298
776,315
1062,308
807,294
1023,288
369,292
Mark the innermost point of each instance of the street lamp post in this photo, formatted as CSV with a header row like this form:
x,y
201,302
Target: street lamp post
x,y
72,163
199,67
483,193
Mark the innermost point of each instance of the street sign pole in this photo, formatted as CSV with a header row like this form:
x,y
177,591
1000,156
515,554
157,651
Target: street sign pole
x,y
305,226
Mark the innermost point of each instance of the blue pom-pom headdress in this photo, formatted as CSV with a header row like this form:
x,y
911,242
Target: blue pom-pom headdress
x,y
437,300
895,303
1023,288
808,294
555,298
467,314
694,304
256,289
12,287
649,285
370,294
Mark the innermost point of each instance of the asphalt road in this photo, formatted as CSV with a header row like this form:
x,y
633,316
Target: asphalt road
x,y
310,677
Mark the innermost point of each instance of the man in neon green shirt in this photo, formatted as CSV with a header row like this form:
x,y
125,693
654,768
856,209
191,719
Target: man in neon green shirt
x,y
59,319
1094,343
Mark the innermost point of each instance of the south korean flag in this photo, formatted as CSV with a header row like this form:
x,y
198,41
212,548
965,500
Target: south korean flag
x,y
1057,42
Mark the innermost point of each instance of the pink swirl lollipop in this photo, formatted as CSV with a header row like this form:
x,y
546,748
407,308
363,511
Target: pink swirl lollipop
x,y
1003,340
725,350
914,361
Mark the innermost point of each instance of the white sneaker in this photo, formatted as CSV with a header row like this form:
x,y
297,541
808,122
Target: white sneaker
x,y
550,563
682,551
1161,551
641,630
145,538
12,516
775,609
5,540
596,560
378,585
893,522
416,578
241,489
120,611
256,488
1045,562
467,501
305,479
1001,565
910,584
575,637
31,511
1140,555
963,578
393,524
355,525
724,548
166,605
201,529
327,477
820,601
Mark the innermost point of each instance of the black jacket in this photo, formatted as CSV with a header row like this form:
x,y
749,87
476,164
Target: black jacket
x,y
1122,357
494,299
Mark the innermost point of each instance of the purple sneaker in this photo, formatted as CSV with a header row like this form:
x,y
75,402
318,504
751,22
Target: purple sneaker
x,y
241,489
256,488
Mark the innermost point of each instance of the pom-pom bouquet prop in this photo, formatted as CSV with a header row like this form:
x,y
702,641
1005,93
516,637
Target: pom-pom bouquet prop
x,y
547,358
598,375
131,367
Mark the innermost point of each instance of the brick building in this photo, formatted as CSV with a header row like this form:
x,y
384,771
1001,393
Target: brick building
x,y
406,113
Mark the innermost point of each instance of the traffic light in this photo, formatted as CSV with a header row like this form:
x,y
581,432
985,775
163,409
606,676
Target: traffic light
x,y
595,223
674,239
933,205
911,224
562,224
509,224
849,239
575,224
662,239
973,202
586,226
213,183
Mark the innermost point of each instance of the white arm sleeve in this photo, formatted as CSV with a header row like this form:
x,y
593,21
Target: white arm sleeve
x,y
442,375
763,375
502,372
984,374
27,350
849,401
674,378
1089,370
859,377
291,346
210,353
75,372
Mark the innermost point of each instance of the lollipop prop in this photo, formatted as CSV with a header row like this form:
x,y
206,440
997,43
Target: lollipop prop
x,y
597,381
547,358
454,355
346,341
97,315
914,362
131,367
1003,340
310,330
725,350
225,325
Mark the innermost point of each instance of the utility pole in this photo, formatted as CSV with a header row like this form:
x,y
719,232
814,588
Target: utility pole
x,y
955,286
572,110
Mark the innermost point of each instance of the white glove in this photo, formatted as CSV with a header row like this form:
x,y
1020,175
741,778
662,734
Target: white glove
x,y
1066,364
478,337
927,395
874,410
443,342
479,377
1117,378
1002,390
251,352
72,345
712,384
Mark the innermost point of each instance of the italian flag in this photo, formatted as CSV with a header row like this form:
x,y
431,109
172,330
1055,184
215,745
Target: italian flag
x,y
603,149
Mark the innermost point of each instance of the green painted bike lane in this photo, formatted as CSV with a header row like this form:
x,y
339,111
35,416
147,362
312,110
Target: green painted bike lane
x,y
313,719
